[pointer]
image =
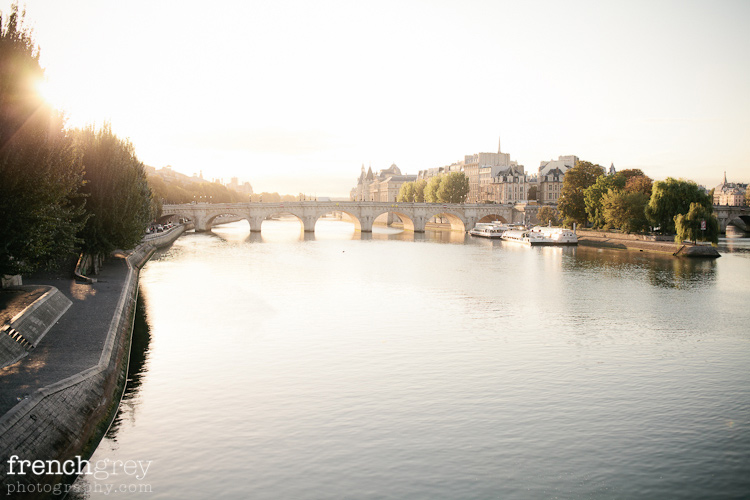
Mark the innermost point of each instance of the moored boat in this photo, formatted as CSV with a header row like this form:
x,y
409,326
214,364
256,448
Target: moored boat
x,y
492,229
487,230
523,236
551,236
556,235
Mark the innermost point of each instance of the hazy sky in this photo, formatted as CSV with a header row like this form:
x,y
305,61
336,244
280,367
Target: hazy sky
x,y
294,96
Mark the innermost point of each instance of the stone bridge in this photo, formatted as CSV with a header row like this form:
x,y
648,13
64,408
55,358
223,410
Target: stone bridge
x,y
738,217
415,216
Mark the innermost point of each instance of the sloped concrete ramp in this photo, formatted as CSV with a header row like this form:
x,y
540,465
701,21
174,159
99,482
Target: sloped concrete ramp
x,y
28,327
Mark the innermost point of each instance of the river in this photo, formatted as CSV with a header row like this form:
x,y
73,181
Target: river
x,y
439,366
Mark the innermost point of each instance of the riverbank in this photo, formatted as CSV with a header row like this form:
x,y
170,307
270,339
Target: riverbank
x,y
643,243
58,401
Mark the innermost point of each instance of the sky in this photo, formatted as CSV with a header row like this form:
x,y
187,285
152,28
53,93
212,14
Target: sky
x,y
295,96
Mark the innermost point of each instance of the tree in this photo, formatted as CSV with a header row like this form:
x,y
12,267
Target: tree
x,y
673,197
454,188
419,190
572,204
639,183
39,171
689,226
593,196
118,198
630,173
625,211
431,189
406,193
548,216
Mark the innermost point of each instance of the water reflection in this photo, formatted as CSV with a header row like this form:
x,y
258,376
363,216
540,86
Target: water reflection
x,y
735,245
663,271
139,353
326,368
290,231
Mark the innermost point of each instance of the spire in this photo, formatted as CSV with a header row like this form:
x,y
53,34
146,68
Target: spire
x,y
725,176
499,150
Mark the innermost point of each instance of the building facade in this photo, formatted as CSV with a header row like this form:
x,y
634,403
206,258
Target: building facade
x,y
549,186
508,185
730,193
381,187
551,176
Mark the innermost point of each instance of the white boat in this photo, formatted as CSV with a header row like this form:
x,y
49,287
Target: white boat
x,y
523,236
487,231
556,235
491,229
538,236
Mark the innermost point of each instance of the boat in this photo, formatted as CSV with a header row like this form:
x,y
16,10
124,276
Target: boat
x,y
523,236
556,235
487,230
539,236
492,229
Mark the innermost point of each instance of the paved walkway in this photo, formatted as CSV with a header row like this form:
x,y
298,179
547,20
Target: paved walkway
x,y
76,342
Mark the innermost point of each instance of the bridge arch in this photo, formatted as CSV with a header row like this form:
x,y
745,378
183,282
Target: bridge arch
x,y
457,222
493,218
741,222
405,219
351,217
227,217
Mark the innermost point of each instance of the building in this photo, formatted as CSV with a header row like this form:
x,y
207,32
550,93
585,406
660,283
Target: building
x,y
551,176
730,193
507,185
549,186
381,187
245,187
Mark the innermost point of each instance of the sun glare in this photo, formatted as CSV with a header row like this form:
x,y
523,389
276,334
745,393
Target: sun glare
x,y
49,93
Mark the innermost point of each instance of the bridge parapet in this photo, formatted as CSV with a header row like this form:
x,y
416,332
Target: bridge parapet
x,y
363,213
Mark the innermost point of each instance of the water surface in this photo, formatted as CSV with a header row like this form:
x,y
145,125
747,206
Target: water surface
x,y
436,366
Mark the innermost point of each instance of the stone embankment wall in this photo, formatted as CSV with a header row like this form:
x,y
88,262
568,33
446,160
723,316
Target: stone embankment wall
x,y
623,241
644,243
69,418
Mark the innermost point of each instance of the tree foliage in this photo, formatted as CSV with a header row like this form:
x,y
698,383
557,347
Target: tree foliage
x,y
572,204
593,196
454,188
625,210
431,189
548,216
406,192
673,197
532,194
118,198
39,170
640,184
170,191
688,226
419,186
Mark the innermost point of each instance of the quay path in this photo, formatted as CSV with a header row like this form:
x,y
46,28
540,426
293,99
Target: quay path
x,y
75,343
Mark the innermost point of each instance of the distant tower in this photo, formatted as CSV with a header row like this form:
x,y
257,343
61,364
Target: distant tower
x,y
499,150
